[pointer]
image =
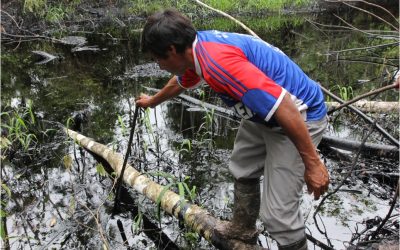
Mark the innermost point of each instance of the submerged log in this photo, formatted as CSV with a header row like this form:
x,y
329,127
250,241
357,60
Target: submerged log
x,y
44,56
196,218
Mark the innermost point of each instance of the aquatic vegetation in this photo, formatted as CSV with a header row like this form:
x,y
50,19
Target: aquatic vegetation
x,y
19,127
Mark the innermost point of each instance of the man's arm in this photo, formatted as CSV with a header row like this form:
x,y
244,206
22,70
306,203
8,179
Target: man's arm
x,y
170,90
316,175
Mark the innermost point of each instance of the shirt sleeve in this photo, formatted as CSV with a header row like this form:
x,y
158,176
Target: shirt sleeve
x,y
189,80
228,68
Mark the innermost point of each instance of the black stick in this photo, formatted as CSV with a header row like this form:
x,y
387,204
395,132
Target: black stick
x,y
128,150
375,234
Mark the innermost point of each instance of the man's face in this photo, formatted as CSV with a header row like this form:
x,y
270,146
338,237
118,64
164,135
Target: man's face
x,y
174,63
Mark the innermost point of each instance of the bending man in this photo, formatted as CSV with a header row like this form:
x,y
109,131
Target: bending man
x,y
284,117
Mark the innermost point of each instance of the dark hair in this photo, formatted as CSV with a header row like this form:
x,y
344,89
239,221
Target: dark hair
x,y
166,28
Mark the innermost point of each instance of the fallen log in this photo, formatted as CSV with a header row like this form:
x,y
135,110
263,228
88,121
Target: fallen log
x,y
196,218
387,151
370,106
358,98
388,136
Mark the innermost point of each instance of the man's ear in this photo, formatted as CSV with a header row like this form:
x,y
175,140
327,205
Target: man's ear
x,y
172,49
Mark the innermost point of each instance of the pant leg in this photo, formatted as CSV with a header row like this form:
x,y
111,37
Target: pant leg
x,y
249,151
283,184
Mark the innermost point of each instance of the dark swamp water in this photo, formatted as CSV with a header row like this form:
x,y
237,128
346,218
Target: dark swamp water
x,y
60,198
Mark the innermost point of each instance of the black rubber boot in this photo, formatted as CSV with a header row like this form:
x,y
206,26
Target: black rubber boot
x,y
246,209
298,245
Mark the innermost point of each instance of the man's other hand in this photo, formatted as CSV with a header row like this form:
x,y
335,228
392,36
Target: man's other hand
x,y
317,179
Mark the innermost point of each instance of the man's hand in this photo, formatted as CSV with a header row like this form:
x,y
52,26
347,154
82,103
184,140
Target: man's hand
x,y
317,179
144,101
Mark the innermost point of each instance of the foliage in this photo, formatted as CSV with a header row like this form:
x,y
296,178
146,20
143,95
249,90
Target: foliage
x,y
34,5
345,92
206,130
122,125
21,131
183,189
56,14
100,170
147,6
138,222
51,11
18,125
5,191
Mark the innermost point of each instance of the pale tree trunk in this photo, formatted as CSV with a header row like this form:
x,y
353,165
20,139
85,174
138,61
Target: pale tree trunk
x,y
194,217
371,106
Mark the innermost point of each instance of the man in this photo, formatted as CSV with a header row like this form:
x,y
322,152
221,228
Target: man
x,y
283,112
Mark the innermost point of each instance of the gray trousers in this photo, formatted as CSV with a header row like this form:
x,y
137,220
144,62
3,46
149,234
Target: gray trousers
x,y
260,150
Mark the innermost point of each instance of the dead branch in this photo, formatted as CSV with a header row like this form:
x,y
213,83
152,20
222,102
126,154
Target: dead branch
x,y
364,48
324,232
228,16
363,10
377,231
375,5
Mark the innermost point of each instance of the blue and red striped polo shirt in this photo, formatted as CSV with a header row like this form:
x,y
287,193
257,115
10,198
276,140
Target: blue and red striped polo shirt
x,y
251,76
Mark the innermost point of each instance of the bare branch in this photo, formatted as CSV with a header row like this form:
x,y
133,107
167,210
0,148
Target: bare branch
x,y
228,16
366,11
354,163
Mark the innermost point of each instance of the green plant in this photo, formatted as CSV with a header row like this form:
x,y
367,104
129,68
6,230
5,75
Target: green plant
x,y
34,5
147,122
67,161
184,191
5,191
56,14
21,129
206,129
122,124
18,128
100,170
185,147
345,92
138,222
192,238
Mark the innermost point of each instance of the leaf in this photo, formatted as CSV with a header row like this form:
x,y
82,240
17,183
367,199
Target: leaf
x,y
3,230
165,189
3,213
4,142
192,192
100,170
53,222
137,223
8,191
181,190
67,160
71,208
